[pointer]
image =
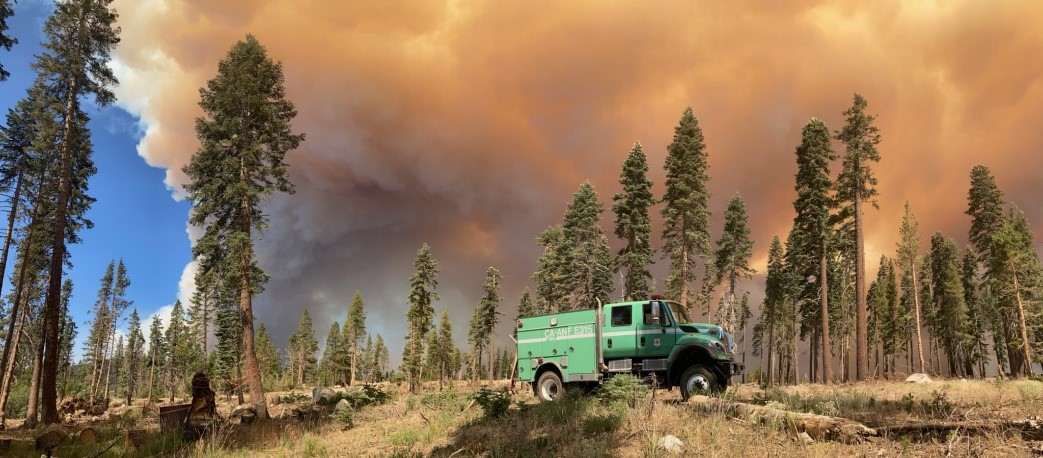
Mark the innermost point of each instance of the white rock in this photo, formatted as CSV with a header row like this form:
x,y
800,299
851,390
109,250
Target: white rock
x,y
671,444
918,378
805,438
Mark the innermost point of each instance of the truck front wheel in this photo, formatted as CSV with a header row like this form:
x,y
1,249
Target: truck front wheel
x,y
549,387
698,379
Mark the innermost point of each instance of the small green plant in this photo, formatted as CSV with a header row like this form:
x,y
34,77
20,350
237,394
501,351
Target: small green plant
x,y
313,448
623,388
939,405
495,403
447,399
362,397
345,417
599,424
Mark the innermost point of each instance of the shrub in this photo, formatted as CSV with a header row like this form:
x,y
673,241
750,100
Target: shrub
x,y
494,403
623,388
447,399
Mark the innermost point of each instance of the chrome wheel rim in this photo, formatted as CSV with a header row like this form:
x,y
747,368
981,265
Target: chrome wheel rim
x,y
698,384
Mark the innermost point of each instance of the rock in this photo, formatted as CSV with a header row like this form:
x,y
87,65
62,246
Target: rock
x,y
88,436
671,444
95,419
322,395
918,378
805,438
117,403
343,404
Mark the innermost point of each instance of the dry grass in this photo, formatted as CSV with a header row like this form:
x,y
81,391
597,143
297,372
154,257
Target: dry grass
x,y
448,424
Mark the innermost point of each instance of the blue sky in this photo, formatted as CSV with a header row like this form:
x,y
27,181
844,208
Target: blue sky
x,y
135,218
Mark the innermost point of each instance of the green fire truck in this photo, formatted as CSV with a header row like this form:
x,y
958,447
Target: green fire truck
x,y
654,339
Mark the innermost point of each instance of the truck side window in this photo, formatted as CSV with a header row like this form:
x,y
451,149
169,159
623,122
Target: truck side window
x,y
622,316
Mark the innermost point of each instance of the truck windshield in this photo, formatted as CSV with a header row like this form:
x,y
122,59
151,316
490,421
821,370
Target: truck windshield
x,y
680,314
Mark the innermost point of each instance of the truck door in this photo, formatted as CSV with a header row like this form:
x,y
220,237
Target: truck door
x,y
617,340
655,332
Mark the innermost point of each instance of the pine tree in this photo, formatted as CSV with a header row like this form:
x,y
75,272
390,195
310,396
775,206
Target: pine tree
x,y
776,314
985,207
244,134
590,260
134,354
100,332
731,264
179,351
633,224
950,303
686,216
6,41
267,356
333,357
16,141
119,304
908,250
483,323
367,360
422,284
975,348
525,308
380,358
303,347
157,354
1015,267
857,185
354,332
442,351
201,310
79,37
812,228
552,271
66,338
228,333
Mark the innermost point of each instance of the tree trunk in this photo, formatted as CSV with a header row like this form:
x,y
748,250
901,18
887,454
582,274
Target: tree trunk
x,y
1026,364
793,346
492,359
18,321
152,375
354,360
108,362
827,356
34,388
861,312
919,333
54,285
771,353
11,216
684,281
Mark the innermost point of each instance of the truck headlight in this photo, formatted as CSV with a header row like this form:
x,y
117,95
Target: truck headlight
x,y
717,346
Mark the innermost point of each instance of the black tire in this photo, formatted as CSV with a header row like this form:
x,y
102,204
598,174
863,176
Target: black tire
x,y
698,379
549,387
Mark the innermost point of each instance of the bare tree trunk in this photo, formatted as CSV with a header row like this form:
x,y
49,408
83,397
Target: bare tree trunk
x,y
771,354
492,359
861,312
34,388
793,345
919,333
152,375
827,356
1026,364
108,363
11,216
354,359
253,370
18,321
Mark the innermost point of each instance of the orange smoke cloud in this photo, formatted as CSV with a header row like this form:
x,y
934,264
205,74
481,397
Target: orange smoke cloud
x,y
468,124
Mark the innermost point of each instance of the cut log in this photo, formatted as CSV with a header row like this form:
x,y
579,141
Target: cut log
x,y
819,427
1030,429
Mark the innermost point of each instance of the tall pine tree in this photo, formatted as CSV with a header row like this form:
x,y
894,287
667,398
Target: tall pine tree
x,y
244,134
633,225
590,260
812,228
303,347
422,284
552,271
732,264
1016,270
354,332
79,37
856,185
133,355
686,215
908,253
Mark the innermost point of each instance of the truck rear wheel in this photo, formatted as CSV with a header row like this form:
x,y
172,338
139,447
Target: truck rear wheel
x,y
549,387
698,379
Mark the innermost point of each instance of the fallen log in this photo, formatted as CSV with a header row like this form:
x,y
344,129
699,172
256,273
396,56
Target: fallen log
x,y
1030,429
819,427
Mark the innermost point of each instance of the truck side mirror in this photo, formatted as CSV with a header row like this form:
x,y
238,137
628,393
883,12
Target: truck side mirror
x,y
655,312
